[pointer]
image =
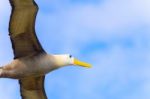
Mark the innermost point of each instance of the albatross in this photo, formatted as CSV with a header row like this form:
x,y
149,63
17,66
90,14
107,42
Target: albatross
x,y
31,62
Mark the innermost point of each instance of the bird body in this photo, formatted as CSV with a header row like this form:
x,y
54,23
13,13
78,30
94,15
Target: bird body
x,y
31,63
29,66
35,65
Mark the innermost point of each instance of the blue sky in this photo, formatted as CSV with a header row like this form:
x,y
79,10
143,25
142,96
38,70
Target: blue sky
x,y
112,35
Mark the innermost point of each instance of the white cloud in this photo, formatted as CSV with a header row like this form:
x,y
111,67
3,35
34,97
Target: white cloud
x,y
111,15
75,26
113,18
118,73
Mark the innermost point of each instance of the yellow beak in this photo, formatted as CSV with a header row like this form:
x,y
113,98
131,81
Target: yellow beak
x,y
83,64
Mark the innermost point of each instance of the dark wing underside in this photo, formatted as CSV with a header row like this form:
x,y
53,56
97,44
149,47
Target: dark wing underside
x,y
22,28
25,43
33,88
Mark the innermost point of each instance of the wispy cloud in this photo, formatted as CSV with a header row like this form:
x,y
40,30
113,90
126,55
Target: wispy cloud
x,y
113,35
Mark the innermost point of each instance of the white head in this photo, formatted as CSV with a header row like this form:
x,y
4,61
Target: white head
x,y
67,59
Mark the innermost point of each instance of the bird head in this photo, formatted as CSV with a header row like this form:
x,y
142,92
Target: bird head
x,y
67,59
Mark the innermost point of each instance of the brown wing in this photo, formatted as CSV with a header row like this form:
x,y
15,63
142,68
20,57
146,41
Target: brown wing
x,y
22,28
25,42
32,88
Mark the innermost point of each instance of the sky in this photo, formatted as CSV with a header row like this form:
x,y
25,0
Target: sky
x,y
112,35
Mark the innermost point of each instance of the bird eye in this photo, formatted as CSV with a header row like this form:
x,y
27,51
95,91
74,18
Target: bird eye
x,y
70,56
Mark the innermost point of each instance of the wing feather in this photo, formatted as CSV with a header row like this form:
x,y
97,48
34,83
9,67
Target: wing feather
x,y
22,28
25,43
32,88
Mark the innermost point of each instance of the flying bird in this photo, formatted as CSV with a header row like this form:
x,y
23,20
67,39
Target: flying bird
x,y
31,62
